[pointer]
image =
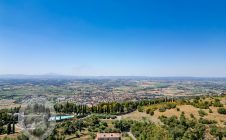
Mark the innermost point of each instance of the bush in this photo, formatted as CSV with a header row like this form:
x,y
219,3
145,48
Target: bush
x,y
123,125
140,108
151,113
162,109
205,121
222,110
149,131
201,104
210,111
148,111
217,104
202,113
192,115
217,132
183,128
178,109
92,135
170,105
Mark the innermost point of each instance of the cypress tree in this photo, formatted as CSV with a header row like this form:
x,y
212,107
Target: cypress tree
x,y
13,126
9,128
92,108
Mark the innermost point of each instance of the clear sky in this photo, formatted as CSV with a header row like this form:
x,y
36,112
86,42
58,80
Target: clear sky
x,y
113,37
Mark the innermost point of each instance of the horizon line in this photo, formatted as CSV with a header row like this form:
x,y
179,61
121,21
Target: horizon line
x,y
68,75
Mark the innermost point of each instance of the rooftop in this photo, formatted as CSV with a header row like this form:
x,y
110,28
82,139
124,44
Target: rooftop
x,y
108,135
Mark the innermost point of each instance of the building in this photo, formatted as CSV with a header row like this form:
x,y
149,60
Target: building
x,y
108,136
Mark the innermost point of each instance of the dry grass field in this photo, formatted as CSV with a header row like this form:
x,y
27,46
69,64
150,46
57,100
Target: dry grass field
x,y
141,116
187,109
11,136
7,104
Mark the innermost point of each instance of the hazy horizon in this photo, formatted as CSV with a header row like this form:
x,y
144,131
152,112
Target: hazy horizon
x,y
51,75
113,38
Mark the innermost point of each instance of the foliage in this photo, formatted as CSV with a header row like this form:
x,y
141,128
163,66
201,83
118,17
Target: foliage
x,y
69,108
205,121
221,110
150,111
162,109
210,111
140,108
183,128
202,113
170,105
8,118
218,132
149,131
192,116
198,103
217,103
123,125
22,137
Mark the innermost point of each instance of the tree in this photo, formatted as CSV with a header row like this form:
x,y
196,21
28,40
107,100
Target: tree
x,y
140,108
13,126
123,125
9,128
149,131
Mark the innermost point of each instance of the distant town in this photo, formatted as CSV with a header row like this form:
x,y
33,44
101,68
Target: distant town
x,y
94,91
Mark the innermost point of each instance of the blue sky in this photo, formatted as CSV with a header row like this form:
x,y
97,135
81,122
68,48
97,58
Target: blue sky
x,y
113,37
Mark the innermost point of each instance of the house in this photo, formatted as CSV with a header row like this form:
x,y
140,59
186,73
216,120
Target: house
x,y
108,136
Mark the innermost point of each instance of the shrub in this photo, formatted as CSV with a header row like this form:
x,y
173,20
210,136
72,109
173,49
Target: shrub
x,y
148,110
149,131
162,109
201,104
217,104
140,108
217,132
151,113
210,111
178,109
202,113
170,105
183,128
123,125
222,110
205,121
192,115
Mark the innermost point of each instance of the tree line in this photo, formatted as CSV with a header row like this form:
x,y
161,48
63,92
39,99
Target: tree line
x,y
114,108
8,120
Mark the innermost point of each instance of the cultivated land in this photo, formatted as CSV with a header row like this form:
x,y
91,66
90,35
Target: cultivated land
x,y
94,91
